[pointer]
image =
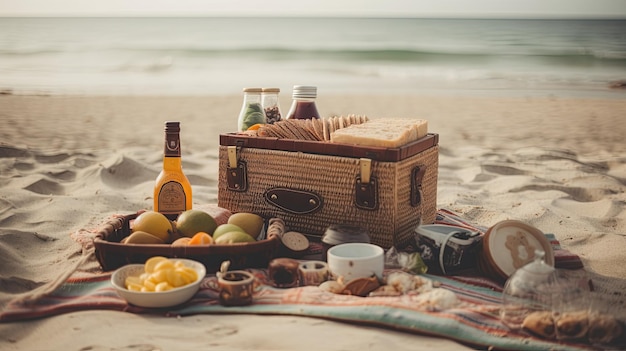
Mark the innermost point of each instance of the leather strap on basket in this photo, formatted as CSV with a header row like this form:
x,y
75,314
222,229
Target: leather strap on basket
x,y
366,187
294,201
417,175
366,194
236,172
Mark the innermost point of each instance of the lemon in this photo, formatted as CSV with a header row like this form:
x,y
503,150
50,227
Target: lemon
x,y
154,223
191,222
234,237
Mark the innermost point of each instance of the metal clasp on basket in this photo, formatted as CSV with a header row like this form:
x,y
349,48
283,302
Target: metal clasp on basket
x,y
366,187
236,172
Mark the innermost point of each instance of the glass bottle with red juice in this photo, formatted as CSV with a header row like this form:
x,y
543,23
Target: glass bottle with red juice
x,y
303,105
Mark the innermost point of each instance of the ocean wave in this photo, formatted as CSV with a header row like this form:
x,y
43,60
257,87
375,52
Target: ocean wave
x,y
389,53
175,54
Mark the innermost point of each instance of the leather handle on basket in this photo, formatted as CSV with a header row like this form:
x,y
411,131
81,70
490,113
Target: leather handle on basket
x,y
417,175
294,201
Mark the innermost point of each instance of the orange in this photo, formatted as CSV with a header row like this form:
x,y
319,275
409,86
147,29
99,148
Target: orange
x,y
201,238
255,126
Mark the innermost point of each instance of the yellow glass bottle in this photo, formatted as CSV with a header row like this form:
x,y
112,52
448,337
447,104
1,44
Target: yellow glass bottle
x,y
172,190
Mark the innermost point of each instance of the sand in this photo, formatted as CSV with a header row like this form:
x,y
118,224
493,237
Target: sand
x,y
68,162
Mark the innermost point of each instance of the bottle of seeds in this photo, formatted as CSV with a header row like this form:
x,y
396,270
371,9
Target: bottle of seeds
x,y
252,110
271,105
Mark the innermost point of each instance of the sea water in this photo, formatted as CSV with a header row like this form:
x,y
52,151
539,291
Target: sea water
x,y
176,56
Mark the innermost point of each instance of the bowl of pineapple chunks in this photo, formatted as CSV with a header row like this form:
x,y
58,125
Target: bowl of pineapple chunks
x,y
159,282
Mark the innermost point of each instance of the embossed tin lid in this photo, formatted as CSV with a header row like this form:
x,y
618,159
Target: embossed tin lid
x,y
337,234
510,245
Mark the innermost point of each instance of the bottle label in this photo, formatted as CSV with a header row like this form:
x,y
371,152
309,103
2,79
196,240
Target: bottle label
x,y
172,145
172,198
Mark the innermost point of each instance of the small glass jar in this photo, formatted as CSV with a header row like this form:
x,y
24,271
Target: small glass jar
x,y
252,109
271,105
529,289
303,105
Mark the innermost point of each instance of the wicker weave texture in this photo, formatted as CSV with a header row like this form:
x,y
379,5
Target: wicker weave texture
x,y
333,178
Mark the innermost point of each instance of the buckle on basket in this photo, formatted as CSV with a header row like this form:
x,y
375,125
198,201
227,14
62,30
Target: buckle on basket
x,y
417,175
366,187
236,172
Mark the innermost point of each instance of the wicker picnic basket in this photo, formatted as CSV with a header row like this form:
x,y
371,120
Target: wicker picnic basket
x,y
312,185
112,254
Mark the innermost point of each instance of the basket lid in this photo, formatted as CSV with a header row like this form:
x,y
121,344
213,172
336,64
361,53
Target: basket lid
x,y
332,149
511,244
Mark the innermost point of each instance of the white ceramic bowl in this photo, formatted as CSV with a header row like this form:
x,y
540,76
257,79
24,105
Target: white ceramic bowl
x,y
355,260
167,298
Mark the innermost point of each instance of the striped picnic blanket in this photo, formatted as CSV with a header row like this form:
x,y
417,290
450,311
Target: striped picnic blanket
x,y
474,322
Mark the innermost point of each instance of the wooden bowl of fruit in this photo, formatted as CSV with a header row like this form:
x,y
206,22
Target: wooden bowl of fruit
x,y
136,237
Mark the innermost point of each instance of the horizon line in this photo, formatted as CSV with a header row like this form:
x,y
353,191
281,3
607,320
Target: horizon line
x,y
341,16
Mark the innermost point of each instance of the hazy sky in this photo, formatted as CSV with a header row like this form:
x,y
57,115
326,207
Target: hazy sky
x,y
403,8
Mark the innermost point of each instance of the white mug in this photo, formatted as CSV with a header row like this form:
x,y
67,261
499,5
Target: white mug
x,y
356,260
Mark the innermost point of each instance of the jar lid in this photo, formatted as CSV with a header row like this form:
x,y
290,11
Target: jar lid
x,y
509,245
252,90
304,91
271,90
341,233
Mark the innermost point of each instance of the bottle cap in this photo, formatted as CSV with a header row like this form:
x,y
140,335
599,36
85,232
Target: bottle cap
x,y
304,91
172,127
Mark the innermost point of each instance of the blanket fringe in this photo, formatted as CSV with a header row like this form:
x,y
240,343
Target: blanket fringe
x,y
34,295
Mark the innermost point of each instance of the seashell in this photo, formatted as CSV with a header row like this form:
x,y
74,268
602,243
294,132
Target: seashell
x,y
331,286
385,290
540,323
361,286
405,282
572,325
438,299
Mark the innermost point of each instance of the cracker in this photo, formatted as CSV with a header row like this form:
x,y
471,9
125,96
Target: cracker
x,y
318,128
326,129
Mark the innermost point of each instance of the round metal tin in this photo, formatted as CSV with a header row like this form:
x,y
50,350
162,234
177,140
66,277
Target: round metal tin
x,y
509,245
